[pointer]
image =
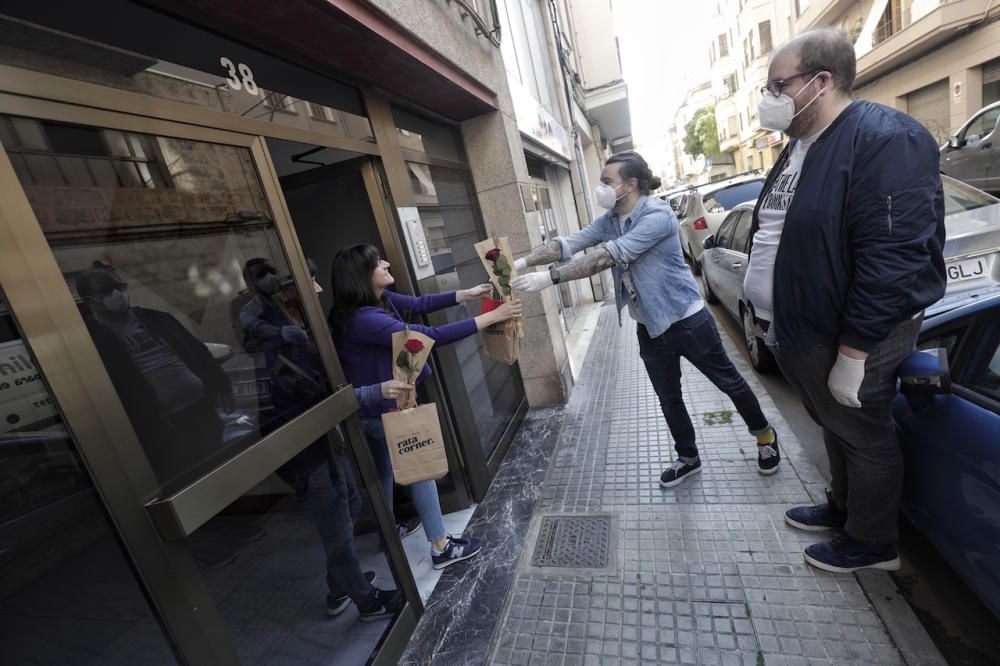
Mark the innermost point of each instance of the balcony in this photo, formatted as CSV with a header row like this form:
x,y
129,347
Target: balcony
x,y
895,43
729,144
608,105
821,14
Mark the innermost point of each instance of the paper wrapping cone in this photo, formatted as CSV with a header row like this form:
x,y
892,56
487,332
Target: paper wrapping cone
x,y
399,339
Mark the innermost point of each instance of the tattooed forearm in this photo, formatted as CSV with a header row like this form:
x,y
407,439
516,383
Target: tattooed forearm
x,y
587,265
546,254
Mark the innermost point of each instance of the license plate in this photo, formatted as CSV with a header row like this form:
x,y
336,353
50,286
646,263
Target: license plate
x,y
254,389
970,269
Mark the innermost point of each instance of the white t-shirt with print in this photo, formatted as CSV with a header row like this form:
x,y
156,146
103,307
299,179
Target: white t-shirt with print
x,y
758,283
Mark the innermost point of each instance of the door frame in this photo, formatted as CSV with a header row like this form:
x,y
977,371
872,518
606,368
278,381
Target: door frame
x,y
38,298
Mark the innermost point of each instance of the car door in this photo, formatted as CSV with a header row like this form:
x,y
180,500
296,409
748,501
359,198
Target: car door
x,y
733,260
952,450
975,160
715,261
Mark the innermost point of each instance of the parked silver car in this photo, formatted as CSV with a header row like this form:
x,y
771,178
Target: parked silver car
x,y
702,209
971,250
972,155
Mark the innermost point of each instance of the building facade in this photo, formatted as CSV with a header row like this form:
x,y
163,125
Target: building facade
x,y
147,510
571,107
937,60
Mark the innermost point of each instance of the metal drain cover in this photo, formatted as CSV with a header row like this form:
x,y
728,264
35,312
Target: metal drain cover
x,y
572,542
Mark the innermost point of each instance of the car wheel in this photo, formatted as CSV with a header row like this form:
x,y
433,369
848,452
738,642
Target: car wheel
x,y
695,264
706,291
760,356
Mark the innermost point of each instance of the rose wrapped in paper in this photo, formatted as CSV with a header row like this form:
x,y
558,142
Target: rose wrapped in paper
x,y
405,358
501,269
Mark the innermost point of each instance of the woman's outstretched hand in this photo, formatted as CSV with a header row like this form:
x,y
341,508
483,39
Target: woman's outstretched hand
x,y
479,292
394,388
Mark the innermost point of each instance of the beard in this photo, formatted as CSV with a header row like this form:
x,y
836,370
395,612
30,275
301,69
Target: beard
x,y
804,124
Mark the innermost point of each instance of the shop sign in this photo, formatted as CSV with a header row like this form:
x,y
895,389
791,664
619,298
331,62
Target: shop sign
x,y
24,399
534,120
768,140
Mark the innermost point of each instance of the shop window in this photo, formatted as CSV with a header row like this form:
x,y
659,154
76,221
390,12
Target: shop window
x,y
448,216
67,592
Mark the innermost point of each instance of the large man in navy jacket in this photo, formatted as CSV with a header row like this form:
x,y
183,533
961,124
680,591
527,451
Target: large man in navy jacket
x,y
848,233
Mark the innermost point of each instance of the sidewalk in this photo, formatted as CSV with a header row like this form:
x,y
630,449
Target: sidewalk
x,y
704,573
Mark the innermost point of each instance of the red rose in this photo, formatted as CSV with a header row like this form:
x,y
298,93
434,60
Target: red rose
x,y
414,346
493,254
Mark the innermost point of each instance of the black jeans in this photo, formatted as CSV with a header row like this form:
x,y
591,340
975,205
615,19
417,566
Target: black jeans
x,y
866,461
696,339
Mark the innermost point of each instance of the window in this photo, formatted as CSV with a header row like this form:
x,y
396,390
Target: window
x,y
984,370
742,234
746,52
724,237
753,47
723,46
278,102
764,28
730,83
54,154
424,136
729,196
801,6
960,197
734,127
983,125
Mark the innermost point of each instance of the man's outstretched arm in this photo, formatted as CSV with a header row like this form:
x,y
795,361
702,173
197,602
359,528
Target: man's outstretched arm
x,y
581,267
549,253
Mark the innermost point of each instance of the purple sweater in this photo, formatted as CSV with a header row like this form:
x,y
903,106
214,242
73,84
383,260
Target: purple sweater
x,y
365,347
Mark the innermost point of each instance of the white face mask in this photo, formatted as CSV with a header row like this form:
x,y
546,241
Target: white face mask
x,y
777,113
605,195
116,302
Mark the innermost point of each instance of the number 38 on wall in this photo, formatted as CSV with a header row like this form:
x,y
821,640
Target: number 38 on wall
x,y
240,76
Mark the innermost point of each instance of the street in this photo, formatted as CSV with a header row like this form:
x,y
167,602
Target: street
x,y
962,628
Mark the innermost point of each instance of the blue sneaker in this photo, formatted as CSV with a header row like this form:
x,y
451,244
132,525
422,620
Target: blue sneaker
x,y
457,550
846,555
817,518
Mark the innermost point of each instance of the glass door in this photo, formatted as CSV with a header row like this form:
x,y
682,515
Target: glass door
x,y
208,375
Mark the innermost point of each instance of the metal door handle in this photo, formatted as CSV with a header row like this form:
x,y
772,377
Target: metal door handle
x,y
738,264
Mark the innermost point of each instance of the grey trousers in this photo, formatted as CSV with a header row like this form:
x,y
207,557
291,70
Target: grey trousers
x,y
866,461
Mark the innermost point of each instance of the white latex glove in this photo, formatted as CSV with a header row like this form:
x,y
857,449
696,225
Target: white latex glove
x,y
845,380
532,281
520,264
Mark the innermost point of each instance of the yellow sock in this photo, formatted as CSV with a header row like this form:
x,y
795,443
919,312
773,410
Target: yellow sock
x,y
766,438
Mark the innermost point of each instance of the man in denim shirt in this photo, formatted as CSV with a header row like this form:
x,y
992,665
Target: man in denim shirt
x,y
641,247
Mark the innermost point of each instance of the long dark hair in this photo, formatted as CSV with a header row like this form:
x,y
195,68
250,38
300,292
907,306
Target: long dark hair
x,y
351,280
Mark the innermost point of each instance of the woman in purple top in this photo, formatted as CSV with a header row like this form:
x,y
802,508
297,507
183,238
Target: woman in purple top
x,y
364,317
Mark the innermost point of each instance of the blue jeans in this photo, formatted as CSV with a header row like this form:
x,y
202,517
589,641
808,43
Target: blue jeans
x,y
696,339
424,493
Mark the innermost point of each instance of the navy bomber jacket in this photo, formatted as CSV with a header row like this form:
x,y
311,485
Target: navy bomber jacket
x,y
861,248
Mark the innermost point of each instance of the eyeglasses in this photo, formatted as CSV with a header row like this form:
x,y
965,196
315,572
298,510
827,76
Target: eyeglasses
x,y
775,87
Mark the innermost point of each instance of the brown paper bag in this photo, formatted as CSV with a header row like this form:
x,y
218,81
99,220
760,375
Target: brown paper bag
x,y
416,447
502,342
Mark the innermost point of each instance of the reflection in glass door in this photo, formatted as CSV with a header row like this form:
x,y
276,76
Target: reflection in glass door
x,y
171,251
68,594
492,391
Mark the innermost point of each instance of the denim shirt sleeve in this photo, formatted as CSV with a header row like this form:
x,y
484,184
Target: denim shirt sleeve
x,y
650,228
589,236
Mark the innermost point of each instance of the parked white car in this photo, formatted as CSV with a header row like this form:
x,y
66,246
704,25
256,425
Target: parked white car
x,y
971,250
703,208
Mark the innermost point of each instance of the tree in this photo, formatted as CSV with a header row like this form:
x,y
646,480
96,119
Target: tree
x,y
701,136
